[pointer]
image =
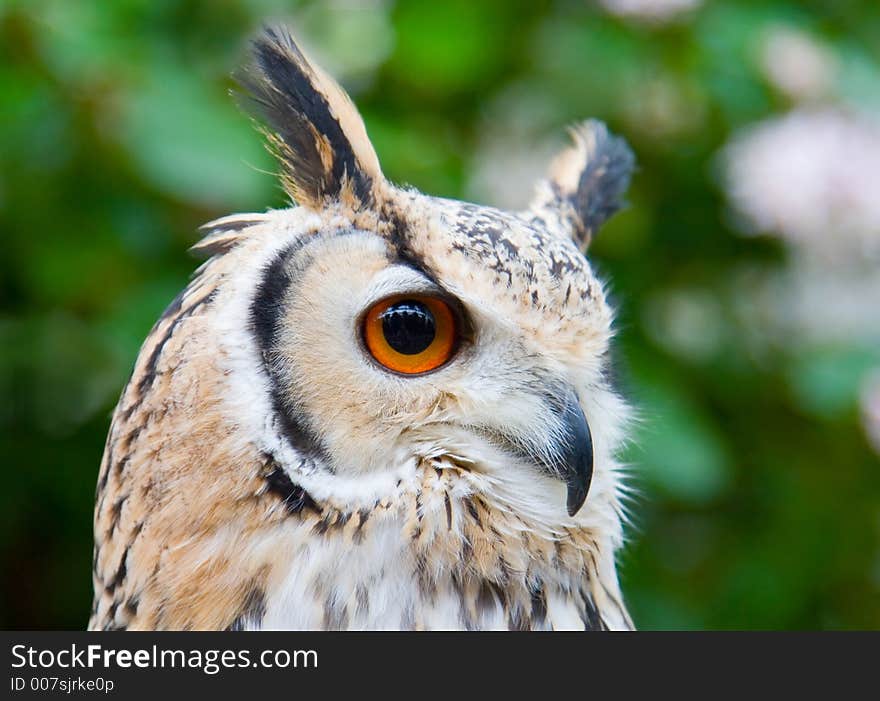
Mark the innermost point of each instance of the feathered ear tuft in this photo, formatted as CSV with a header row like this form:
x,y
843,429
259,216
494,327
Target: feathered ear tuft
x,y
586,183
315,130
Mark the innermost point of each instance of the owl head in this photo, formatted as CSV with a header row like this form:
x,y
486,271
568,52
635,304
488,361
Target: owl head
x,y
376,361
373,327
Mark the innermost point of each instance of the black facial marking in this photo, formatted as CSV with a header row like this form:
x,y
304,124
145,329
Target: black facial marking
x,y
294,497
267,310
397,236
268,304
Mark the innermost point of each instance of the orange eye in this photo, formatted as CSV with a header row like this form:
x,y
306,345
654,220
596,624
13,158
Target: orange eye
x,y
410,334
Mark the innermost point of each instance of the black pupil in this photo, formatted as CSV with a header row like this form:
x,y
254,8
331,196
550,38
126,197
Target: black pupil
x,y
408,326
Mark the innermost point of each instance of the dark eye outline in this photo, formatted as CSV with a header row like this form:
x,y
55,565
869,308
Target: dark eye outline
x,y
460,329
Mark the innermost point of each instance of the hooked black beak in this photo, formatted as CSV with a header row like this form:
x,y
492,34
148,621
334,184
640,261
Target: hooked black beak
x,y
570,458
575,451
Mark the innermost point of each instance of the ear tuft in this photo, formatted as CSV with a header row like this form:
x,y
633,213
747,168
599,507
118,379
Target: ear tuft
x,y
315,130
586,183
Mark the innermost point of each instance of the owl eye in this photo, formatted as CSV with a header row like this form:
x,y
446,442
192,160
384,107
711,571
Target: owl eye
x,y
410,334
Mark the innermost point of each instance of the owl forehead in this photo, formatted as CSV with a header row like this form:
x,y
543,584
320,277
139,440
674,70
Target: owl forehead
x,y
505,258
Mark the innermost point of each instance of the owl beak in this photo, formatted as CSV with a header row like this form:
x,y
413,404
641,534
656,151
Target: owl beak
x,y
569,457
575,462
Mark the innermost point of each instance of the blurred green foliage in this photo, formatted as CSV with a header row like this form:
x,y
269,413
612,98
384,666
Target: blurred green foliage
x,y
758,495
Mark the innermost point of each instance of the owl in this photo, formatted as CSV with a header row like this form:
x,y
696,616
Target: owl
x,y
375,409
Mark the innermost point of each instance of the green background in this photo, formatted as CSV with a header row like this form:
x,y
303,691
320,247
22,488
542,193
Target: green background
x,y
758,499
